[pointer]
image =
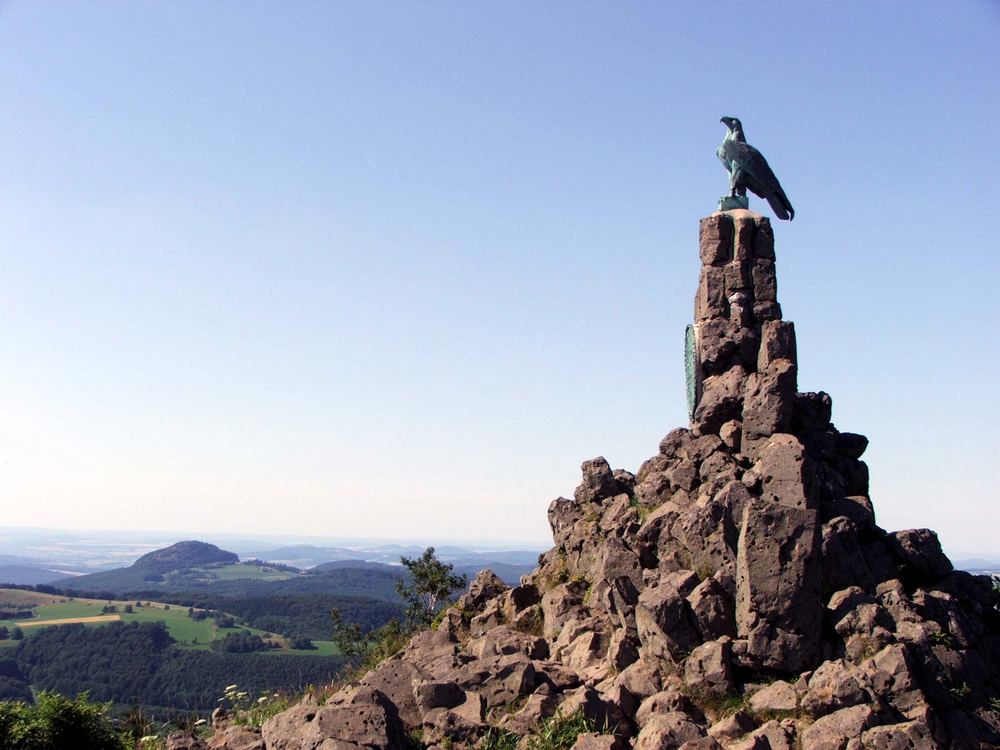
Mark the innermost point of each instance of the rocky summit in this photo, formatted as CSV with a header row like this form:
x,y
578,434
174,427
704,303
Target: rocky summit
x,y
735,592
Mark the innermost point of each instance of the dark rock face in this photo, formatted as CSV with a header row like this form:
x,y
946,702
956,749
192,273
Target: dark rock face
x,y
735,592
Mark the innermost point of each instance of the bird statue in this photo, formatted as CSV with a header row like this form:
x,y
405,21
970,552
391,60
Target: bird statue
x,y
748,168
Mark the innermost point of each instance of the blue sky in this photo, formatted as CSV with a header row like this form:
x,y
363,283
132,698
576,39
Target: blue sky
x,y
396,269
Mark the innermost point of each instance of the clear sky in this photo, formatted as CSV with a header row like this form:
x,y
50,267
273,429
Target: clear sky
x,y
395,269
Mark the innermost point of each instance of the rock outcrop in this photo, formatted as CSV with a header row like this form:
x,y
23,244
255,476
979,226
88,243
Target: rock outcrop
x,y
735,592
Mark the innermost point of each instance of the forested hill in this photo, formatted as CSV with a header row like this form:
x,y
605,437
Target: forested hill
x,y
185,554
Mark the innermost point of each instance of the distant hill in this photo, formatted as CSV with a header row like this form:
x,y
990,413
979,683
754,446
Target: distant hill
x,y
187,554
28,575
183,560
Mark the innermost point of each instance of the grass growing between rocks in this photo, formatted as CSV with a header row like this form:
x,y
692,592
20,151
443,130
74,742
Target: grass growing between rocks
x,y
560,732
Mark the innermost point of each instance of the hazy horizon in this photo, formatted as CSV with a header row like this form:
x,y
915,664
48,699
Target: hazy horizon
x,y
392,269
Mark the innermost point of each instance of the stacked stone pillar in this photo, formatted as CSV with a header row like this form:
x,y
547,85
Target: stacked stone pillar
x,y
746,384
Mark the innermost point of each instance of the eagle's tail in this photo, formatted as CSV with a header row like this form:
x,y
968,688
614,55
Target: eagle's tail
x,y
780,204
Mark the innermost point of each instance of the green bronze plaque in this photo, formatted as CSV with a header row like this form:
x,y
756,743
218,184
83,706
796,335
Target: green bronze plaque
x,y
692,368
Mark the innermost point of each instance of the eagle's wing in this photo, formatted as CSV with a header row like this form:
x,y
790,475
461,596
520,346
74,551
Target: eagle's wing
x,y
759,178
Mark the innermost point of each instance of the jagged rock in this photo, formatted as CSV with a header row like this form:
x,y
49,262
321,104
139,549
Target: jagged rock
x,y
702,743
832,687
366,720
485,586
920,552
777,341
185,740
784,472
668,700
777,697
779,609
731,434
664,622
236,738
709,667
667,731
720,400
769,400
730,727
851,445
843,561
433,694
598,481
713,610
833,731
594,741
908,735
706,533
559,604
393,679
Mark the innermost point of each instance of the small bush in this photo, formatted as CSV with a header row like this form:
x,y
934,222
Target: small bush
x,y
55,722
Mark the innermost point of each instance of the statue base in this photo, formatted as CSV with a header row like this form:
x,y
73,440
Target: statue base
x,y
729,202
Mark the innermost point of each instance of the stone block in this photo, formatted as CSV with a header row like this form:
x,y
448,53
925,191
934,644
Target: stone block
x,y
710,300
743,231
763,239
777,341
765,281
715,239
778,579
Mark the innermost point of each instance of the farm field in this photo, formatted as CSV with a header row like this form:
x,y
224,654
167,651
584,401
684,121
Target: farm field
x,y
189,633
240,571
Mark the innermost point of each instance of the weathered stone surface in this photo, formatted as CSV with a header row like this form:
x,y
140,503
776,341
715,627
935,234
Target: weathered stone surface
x,y
185,741
777,341
368,720
710,301
785,472
909,735
434,694
721,399
715,239
765,282
670,699
920,552
851,444
769,400
664,622
744,228
709,667
843,561
713,609
832,687
777,697
833,731
594,741
778,584
598,481
667,731
731,433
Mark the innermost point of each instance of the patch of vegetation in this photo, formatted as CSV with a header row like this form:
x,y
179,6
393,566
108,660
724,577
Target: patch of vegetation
x,y
253,713
532,622
559,732
58,723
500,739
427,591
942,638
715,704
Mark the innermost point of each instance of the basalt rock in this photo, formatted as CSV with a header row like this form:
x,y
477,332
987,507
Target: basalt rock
x,y
735,592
